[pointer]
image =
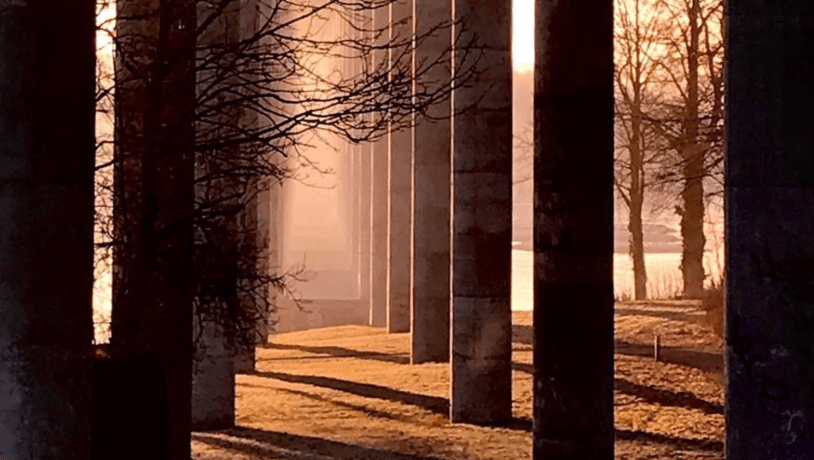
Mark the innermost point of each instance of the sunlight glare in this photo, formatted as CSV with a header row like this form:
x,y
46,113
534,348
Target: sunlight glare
x,y
523,35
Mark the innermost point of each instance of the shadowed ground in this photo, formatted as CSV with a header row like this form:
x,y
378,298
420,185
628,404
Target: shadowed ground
x,y
347,393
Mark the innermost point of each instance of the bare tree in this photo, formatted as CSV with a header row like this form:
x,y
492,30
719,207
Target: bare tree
x,y
639,24
691,121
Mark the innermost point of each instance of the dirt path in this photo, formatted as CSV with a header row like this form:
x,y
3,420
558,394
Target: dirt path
x,y
348,393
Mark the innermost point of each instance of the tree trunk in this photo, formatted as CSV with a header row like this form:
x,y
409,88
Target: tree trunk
x,y
692,195
637,187
637,248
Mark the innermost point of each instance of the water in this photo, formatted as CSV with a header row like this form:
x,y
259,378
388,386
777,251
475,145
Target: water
x,y
663,274
664,279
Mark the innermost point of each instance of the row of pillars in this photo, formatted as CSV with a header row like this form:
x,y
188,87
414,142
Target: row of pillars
x,y
441,201
46,228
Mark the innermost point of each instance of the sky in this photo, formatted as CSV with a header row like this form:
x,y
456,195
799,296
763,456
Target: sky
x,y
523,35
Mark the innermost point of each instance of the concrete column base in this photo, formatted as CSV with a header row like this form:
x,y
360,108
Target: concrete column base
x,y
213,382
245,361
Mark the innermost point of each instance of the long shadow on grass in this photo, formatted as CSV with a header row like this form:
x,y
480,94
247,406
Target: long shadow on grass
x,y
656,313
703,360
675,442
339,352
435,404
662,397
522,334
651,394
279,445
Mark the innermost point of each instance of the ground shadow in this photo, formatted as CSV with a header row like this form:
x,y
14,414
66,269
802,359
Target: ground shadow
x,y
651,394
338,352
656,313
522,334
434,404
284,446
675,442
703,360
319,398
663,397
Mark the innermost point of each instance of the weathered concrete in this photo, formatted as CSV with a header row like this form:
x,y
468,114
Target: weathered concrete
x,y
379,202
400,189
213,377
213,390
257,221
573,231
769,250
46,228
365,206
430,300
482,220
154,196
365,223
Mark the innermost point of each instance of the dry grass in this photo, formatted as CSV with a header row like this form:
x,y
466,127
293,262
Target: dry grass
x,y
348,393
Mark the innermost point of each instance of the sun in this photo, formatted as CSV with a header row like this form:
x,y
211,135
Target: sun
x,y
523,35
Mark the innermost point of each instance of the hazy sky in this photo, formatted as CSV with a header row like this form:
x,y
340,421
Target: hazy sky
x,y
523,35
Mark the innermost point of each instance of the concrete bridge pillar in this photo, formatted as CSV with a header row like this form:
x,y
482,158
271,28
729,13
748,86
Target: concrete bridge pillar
x,y
379,202
431,191
400,189
365,203
769,250
573,225
154,197
213,377
482,219
46,228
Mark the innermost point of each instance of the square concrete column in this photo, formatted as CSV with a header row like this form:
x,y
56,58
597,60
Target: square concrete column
x,y
213,377
379,202
769,219
573,230
400,186
482,217
154,196
365,202
46,228
430,302
258,221
365,210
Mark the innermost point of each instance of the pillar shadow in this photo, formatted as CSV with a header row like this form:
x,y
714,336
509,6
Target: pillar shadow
x,y
703,360
322,399
663,397
655,313
338,352
284,446
522,334
434,404
675,442
651,394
